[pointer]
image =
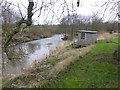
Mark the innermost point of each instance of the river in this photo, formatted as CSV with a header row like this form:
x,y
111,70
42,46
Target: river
x,y
26,53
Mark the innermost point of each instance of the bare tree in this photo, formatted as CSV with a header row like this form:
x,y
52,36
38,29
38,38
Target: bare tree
x,y
74,17
41,7
1,2
114,12
8,15
96,22
109,7
27,21
119,9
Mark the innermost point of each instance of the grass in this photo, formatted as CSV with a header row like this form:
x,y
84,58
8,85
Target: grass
x,y
91,71
95,69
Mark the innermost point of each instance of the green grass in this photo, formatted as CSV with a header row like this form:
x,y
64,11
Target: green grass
x,y
91,71
95,69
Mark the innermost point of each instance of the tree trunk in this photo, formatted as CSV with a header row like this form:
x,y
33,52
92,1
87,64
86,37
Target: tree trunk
x,y
28,22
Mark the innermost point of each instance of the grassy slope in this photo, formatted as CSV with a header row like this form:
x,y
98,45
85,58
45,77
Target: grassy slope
x,y
88,71
93,70
48,69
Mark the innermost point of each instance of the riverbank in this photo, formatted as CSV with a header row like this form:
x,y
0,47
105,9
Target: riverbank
x,y
23,55
31,33
44,70
47,71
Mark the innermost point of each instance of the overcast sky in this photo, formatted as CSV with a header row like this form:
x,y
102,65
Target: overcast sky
x,y
87,7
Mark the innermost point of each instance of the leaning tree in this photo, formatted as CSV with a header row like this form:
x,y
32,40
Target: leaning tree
x,y
34,8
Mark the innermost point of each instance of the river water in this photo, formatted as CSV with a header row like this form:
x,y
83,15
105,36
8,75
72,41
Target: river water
x,y
26,53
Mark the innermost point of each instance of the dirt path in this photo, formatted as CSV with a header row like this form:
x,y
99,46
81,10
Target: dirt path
x,y
68,58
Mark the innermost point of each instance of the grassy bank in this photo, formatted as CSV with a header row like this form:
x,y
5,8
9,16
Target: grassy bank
x,y
97,69
47,70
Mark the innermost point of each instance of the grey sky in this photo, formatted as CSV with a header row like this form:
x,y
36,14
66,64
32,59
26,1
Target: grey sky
x,y
87,7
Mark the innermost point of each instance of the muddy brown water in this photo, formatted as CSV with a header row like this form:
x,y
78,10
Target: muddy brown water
x,y
26,53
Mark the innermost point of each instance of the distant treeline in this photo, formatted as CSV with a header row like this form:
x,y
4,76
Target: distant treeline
x,y
49,30
41,31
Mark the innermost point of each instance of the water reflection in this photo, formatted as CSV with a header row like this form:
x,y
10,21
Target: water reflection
x,y
32,47
25,54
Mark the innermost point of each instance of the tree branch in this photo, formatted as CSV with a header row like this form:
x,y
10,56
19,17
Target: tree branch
x,y
28,22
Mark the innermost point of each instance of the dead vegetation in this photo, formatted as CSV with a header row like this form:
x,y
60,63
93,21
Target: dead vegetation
x,y
68,58
105,36
47,69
